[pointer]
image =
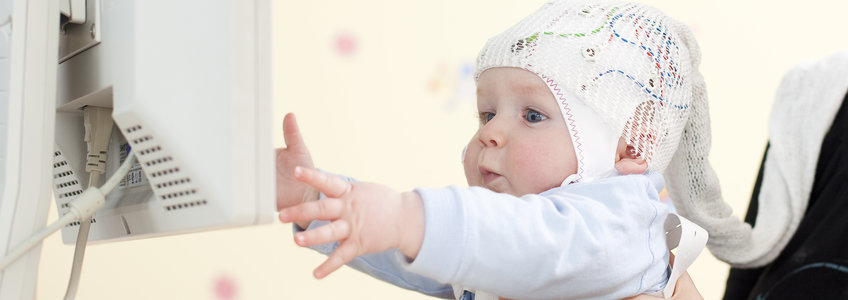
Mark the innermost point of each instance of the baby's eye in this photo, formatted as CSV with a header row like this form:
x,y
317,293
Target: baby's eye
x,y
533,116
485,117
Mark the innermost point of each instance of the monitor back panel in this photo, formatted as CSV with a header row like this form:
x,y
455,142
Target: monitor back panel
x,y
189,84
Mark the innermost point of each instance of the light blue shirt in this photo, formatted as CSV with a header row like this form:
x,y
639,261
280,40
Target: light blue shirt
x,y
598,240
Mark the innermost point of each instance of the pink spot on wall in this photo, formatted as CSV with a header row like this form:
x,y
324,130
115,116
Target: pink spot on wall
x,y
345,44
225,288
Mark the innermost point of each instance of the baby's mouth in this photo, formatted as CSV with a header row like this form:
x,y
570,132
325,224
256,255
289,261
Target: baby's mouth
x,y
488,175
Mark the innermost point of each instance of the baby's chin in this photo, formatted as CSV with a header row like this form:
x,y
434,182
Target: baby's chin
x,y
499,190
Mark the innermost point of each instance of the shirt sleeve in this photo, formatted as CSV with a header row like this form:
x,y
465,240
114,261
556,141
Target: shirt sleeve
x,y
602,240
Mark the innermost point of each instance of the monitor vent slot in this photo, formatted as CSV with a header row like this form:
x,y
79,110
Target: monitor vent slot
x,y
173,182
185,205
172,186
179,194
66,184
77,223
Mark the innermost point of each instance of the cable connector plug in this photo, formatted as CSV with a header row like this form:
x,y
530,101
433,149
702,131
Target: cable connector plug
x,y
98,129
89,202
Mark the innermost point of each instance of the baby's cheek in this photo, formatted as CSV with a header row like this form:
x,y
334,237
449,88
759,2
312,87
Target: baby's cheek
x,y
469,164
528,156
540,169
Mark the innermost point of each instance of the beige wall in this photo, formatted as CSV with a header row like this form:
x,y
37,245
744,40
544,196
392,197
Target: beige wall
x,y
398,110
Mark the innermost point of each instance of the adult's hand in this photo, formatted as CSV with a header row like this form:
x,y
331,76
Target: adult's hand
x,y
684,290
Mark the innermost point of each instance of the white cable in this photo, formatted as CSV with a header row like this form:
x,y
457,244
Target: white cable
x,y
85,227
123,170
35,239
94,179
79,254
79,250
83,206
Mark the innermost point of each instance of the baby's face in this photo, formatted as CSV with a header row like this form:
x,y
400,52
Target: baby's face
x,y
522,146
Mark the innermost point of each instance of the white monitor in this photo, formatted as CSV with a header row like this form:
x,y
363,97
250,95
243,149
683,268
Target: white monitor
x,y
189,83
190,86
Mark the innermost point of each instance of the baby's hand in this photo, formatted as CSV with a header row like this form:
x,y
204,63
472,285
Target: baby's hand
x,y
290,191
365,218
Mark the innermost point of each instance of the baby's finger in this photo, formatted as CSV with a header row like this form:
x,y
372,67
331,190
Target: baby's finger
x,y
335,231
330,185
291,133
343,254
324,209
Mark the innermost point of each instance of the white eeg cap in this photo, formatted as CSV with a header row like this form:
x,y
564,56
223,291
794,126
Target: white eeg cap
x,y
616,69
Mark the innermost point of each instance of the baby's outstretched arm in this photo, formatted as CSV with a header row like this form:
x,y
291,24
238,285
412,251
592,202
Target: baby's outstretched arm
x,y
365,218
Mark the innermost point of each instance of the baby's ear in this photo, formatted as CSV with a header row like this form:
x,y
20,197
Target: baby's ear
x,y
628,166
627,162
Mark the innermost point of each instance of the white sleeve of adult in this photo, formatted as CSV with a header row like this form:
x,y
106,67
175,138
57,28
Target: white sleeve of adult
x,y
596,240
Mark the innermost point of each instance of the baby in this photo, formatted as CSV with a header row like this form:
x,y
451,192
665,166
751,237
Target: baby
x,y
582,106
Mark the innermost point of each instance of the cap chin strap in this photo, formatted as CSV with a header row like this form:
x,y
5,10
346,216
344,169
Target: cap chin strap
x,y
593,140
574,178
570,179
